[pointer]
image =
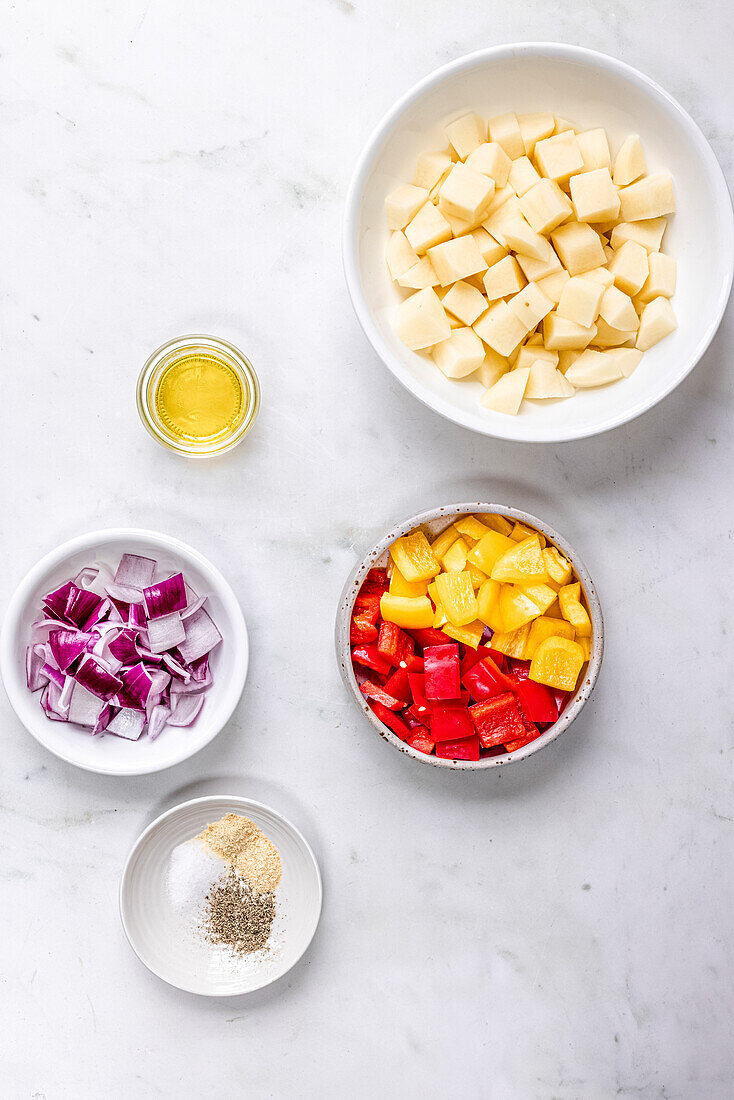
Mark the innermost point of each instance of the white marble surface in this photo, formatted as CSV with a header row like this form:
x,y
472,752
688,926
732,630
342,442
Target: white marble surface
x,y
560,930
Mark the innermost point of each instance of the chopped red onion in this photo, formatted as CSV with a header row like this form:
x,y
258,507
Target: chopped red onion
x,y
201,637
135,571
128,724
81,606
158,721
165,632
184,709
165,597
35,664
85,708
50,702
67,645
93,674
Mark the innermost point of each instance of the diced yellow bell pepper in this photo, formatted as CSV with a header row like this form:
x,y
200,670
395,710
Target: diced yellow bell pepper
x,y
542,594
559,568
471,528
557,663
573,610
439,617
585,644
454,559
544,627
400,587
488,605
457,597
414,557
512,644
495,522
415,613
554,611
477,576
516,608
489,548
471,634
523,564
520,532
442,542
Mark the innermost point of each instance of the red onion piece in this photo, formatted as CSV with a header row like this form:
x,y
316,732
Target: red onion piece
x,y
158,721
50,702
165,632
85,708
164,597
67,645
94,675
135,571
35,663
201,637
128,724
184,709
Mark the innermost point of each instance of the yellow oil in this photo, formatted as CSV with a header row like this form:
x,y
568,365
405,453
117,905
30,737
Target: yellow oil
x,y
200,398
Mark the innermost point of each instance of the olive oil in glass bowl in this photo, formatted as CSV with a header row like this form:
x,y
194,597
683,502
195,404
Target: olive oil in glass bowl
x,y
198,395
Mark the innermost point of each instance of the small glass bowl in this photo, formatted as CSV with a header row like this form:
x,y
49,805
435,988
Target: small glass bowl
x,y
150,378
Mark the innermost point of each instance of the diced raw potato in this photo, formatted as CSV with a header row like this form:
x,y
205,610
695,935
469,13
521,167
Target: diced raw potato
x,y
428,228
627,359
660,282
465,302
530,353
461,228
505,130
545,206
522,176
593,368
399,255
609,337
495,222
454,260
608,251
460,355
503,278
434,192
594,147
546,382
533,129
465,193
562,125
617,310
521,238
630,267
419,276
431,167
594,196
629,164
560,334
567,356
421,320
402,204
600,275
500,197
506,394
552,285
500,328
580,300
535,270
648,233
491,250
491,160
578,247
466,134
650,197
531,306
657,321
492,369
559,157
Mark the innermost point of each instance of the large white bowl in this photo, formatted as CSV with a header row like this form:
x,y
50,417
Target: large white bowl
x,y
109,754
591,90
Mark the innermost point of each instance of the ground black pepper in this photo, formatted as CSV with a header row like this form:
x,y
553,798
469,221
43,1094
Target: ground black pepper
x,y
237,917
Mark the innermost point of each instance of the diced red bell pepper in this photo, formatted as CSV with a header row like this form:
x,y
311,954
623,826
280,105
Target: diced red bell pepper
x,y
442,671
421,713
450,720
410,719
413,663
465,749
375,582
473,656
368,656
513,746
367,607
417,683
420,738
397,685
485,680
537,700
429,636
394,644
561,698
521,669
498,720
392,721
374,691
362,631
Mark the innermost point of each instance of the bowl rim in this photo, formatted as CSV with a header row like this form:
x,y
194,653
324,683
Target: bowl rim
x,y
350,229
51,560
245,803
354,583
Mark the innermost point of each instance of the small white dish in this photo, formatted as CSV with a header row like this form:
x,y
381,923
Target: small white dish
x,y
109,754
166,942
591,90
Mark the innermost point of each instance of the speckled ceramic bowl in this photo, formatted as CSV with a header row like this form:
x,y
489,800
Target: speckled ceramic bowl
x,y
436,520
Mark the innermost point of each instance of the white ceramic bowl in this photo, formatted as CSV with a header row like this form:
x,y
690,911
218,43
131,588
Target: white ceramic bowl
x,y
591,90
435,521
109,754
163,939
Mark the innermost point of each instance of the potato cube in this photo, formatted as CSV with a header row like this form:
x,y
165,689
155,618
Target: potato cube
x,y
562,126
496,220
627,359
629,164
530,353
506,394
503,278
505,130
657,321
660,282
454,260
521,178
609,337
460,355
419,276
618,311
594,196
466,134
431,167
560,334
428,228
421,321
538,269
559,157
650,197
491,250
579,247
465,193
533,129
594,147
434,192
600,275
580,300
648,233
465,302
552,285
518,236
402,204
460,227
500,328
546,382
593,368
530,305
399,255
492,369
545,206
491,160
500,197
630,267
568,356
